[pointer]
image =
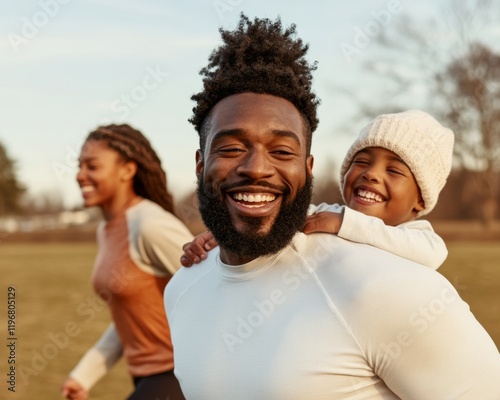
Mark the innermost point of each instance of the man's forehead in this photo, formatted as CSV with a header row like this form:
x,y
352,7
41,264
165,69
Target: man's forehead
x,y
240,111
240,133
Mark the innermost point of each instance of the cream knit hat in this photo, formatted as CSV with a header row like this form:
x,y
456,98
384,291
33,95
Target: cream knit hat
x,y
421,142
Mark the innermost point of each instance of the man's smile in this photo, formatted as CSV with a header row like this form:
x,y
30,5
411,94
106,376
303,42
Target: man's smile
x,y
253,198
254,203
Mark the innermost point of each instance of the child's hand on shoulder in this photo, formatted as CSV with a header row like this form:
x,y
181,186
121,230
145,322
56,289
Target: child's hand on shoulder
x,y
326,222
197,250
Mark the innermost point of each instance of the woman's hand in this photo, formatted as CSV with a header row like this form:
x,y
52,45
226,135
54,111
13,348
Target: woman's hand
x,y
72,390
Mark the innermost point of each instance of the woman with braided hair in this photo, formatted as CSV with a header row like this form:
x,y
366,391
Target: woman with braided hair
x,y
140,242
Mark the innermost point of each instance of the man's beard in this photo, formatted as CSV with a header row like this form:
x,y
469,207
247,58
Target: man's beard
x,y
251,244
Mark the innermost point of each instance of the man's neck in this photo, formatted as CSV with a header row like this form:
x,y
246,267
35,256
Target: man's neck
x,y
231,258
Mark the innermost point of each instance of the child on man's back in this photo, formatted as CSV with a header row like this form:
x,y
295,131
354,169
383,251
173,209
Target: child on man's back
x,y
392,174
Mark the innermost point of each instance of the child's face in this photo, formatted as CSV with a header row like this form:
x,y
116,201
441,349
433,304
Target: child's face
x,y
380,184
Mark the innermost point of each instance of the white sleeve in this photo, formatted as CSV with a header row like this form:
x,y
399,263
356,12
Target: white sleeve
x,y
414,240
314,209
99,359
436,350
160,244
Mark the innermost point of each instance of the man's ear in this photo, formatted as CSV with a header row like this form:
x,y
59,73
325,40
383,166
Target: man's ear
x,y
199,163
309,164
129,170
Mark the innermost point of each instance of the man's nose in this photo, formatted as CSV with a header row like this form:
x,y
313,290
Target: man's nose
x,y
256,165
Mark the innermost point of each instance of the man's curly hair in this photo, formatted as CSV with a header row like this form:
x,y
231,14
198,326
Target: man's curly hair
x,y
258,57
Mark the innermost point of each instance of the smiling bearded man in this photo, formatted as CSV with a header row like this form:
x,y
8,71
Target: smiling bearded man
x,y
253,244
275,314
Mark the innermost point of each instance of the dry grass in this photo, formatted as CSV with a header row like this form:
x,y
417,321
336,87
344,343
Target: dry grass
x,y
474,269
52,282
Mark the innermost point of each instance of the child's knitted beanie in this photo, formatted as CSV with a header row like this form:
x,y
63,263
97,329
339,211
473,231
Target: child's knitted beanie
x,y
421,142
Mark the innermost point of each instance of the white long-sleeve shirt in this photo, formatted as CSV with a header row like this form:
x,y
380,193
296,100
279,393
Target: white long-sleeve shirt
x,y
414,240
326,318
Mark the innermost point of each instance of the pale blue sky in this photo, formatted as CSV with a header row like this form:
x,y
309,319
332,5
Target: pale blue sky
x,y
67,65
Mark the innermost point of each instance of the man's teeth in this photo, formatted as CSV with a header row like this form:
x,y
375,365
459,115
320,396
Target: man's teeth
x,y
370,196
251,198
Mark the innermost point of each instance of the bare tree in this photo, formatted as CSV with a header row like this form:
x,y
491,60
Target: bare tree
x,y
445,65
11,189
471,86
326,185
43,203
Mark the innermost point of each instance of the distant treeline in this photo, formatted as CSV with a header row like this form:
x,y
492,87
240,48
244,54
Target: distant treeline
x,y
459,200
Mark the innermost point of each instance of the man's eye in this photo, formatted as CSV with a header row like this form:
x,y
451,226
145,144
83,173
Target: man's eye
x,y
231,150
283,152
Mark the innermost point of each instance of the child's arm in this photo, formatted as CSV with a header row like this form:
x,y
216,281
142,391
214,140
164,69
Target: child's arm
x,y
323,221
414,240
196,250
326,218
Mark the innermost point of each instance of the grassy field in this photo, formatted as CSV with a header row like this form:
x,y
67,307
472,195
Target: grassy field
x,y
58,317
